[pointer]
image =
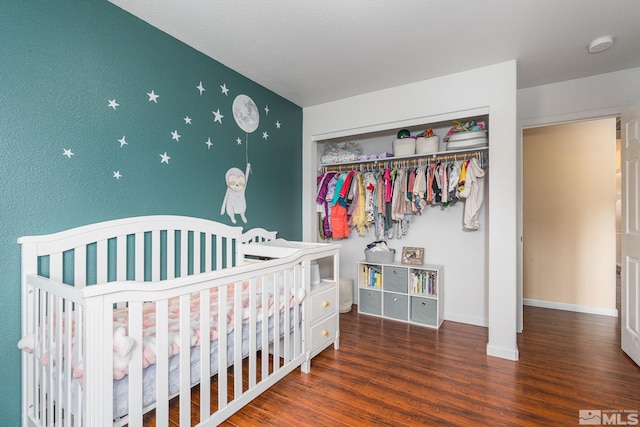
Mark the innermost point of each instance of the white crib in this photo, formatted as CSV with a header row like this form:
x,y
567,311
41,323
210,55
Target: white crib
x,y
109,309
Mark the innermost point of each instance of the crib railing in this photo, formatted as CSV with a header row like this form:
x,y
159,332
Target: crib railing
x,y
57,394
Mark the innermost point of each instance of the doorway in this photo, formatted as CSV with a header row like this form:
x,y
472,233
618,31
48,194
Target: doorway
x,y
569,216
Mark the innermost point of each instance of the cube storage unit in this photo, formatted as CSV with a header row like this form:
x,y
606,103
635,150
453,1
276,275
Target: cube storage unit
x,y
409,293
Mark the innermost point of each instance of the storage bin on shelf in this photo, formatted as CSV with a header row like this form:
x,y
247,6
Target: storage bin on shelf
x,y
382,257
464,140
404,147
427,145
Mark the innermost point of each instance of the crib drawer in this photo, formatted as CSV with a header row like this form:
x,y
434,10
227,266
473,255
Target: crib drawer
x,y
323,334
323,303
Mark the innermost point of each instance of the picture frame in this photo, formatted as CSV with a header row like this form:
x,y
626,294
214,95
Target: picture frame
x,y
412,255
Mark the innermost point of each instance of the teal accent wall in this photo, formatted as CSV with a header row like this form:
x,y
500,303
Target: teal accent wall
x,y
61,62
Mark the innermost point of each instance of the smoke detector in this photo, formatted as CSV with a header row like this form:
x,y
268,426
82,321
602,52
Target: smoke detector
x,y
601,43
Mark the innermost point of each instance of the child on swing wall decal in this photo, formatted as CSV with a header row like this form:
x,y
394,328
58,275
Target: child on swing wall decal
x,y
247,116
234,200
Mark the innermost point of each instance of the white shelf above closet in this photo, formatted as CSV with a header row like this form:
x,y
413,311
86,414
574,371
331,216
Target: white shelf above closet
x,y
440,155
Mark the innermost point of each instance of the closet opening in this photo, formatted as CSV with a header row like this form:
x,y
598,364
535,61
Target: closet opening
x,y
437,230
571,202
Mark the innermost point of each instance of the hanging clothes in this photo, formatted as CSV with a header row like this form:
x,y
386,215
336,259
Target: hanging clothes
x,y
419,189
473,193
323,198
370,187
453,170
357,209
388,198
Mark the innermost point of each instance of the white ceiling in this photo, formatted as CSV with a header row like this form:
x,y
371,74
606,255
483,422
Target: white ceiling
x,y
316,51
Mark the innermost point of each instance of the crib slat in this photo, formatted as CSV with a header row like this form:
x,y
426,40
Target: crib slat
x,y
162,362
139,256
55,267
297,331
30,374
205,356
252,333
41,378
121,258
197,250
207,252
286,297
98,362
103,261
135,364
229,260
58,356
184,253
156,265
171,254
276,323
219,252
185,363
68,345
237,340
80,267
49,379
265,328
79,355
75,316
222,347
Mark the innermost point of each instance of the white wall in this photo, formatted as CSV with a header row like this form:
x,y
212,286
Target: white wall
x,y
488,90
590,97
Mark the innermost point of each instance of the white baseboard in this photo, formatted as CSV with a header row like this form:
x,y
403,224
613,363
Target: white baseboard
x,y
571,307
469,320
503,353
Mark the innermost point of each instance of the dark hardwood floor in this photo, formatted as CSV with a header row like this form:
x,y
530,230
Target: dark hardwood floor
x,y
391,373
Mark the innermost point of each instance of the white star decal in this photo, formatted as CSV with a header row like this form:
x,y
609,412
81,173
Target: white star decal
x,y
187,120
122,142
218,117
113,104
239,141
200,88
265,135
165,158
209,143
117,175
224,89
67,152
175,135
266,109
278,124
153,97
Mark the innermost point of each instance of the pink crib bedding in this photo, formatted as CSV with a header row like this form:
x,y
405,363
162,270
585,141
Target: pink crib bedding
x,y
123,344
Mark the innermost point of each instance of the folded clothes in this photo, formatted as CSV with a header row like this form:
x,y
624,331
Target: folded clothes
x,y
378,246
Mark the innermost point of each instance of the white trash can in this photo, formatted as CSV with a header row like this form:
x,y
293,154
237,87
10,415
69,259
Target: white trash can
x,y
346,295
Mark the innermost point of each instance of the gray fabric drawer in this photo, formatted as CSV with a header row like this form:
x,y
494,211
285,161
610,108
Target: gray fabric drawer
x,y
424,310
395,279
370,301
395,306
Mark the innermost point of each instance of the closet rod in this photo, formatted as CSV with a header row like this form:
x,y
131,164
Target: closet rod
x,y
481,154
